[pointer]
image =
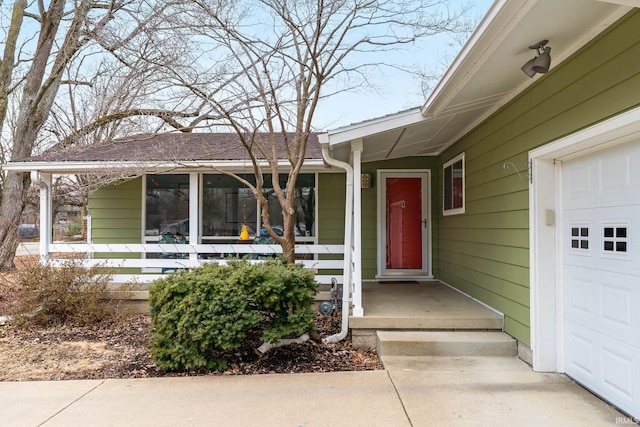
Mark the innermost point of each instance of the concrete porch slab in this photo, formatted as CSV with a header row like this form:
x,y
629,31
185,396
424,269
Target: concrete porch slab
x,y
426,305
408,306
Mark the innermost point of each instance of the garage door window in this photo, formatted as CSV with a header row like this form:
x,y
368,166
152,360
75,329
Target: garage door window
x,y
580,237
615,238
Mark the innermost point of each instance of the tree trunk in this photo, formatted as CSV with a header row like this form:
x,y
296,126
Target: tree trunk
x,y
35,104
13,200
289,235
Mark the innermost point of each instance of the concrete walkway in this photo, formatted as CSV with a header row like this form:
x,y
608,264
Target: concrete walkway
x,y
411,392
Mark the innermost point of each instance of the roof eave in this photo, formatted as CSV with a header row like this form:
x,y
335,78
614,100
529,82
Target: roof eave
x,y
371,127
148,167
470,57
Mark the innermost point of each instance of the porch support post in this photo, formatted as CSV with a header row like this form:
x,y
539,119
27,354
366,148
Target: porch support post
x,y
194,211
43,180
356,149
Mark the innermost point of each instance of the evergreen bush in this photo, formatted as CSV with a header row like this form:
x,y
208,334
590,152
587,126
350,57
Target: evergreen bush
x,y
198,314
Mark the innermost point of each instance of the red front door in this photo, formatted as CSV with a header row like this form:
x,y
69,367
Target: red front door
x,y
404,224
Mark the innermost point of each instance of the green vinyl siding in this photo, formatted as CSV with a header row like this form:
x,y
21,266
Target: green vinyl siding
x,y
116,216
485,251
116,213
331,199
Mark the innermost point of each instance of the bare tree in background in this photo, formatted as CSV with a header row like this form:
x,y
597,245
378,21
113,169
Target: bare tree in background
x,y
264,66
59,36
85,46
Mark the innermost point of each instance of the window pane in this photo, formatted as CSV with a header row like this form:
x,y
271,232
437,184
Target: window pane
x,y
457,184
448,188
227,204
167,205
304,205
453,185
621,232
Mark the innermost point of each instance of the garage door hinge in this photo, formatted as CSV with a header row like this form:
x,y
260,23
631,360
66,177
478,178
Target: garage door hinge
x,y
530,171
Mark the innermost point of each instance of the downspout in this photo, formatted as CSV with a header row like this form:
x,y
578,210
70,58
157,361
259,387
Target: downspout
x,y
348,236
45,213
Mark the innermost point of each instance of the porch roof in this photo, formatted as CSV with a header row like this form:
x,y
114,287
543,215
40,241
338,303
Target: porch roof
x,y
483,78
169,150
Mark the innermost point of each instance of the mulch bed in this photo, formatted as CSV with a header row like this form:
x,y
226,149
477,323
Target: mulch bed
x,y
118,349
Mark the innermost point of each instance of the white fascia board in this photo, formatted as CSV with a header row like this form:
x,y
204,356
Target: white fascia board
x,y
632,3
472,54
371,127
79,167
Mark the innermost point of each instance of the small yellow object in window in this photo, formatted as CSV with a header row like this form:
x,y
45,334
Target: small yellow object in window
x,y
244,233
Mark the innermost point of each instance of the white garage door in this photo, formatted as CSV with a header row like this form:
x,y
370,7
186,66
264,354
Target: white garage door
x,y
601,273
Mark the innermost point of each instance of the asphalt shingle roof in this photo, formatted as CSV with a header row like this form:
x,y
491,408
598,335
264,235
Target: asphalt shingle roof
x,y
169,147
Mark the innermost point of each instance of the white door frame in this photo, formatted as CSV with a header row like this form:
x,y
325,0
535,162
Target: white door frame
x,y
427,258
545,209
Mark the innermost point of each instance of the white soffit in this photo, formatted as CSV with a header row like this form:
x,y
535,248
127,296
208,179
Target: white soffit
x,y
485,75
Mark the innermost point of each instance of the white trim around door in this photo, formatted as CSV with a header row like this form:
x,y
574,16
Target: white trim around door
x,y
410,274
545,209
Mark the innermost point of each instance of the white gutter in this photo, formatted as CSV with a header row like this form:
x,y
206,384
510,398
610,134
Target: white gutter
x,y
348,233
78,166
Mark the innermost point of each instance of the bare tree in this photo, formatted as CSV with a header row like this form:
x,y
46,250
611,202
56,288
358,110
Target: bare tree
x,y
260,69
86,47
39,87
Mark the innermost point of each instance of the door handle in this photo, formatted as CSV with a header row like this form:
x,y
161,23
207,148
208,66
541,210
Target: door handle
x,y
403,204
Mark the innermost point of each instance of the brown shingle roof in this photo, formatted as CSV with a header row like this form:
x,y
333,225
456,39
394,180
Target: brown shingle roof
x,y
168,147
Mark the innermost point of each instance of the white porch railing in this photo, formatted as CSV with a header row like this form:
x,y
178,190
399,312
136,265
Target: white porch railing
x,y
154,260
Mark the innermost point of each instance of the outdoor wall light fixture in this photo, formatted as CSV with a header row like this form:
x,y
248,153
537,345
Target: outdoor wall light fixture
x,y
366,180
541,62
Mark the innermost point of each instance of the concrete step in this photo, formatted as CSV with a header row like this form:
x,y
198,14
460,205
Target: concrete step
x,y
445,343
454,364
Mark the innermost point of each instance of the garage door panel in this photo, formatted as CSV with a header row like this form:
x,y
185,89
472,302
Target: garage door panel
x,y
617,371
604,302
580,352
579,288
601,273
607,366
617,300
606,179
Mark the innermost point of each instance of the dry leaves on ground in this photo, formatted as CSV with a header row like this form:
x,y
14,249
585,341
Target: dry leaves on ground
x,y
118,349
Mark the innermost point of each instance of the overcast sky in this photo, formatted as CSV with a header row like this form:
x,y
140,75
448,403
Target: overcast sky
x,y
396,91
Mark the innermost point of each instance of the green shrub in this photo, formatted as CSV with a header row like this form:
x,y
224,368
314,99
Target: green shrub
x,y
196,315
75,228
45,295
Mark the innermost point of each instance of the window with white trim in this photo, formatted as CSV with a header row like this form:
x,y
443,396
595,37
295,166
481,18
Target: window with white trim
x,y
227,205
615,238
580,237
453,186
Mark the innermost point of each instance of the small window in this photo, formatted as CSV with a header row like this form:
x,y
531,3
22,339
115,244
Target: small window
x,y
580,237
453,186
615,238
